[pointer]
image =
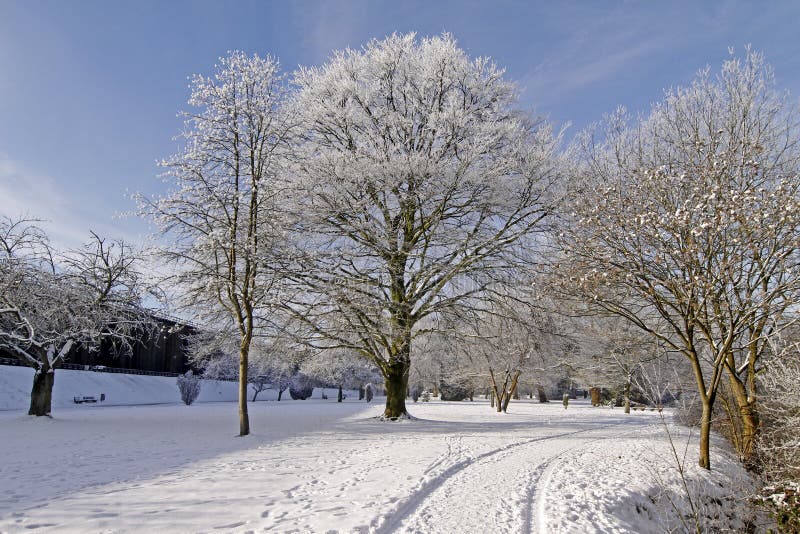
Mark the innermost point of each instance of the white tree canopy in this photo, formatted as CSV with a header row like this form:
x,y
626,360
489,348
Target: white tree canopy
x,y
418,183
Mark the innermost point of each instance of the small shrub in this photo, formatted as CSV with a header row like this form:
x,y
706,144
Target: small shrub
x,y
189,386
368,392
301,388
426,396
450,392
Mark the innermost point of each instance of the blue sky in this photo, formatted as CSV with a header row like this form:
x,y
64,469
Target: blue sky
x,y
89,90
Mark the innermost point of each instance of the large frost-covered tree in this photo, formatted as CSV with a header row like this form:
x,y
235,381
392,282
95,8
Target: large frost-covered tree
x,y
50,302
417,182
687,224
220,216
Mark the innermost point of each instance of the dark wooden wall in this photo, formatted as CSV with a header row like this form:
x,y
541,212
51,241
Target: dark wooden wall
x,y
164,351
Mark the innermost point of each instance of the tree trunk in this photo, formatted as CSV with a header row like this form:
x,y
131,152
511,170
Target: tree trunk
x,y
511,391
396,381
628,395
595,393
339,397
497,395
42,391
748,419
542,394
255,394
244,419
705,435
280,394
435,389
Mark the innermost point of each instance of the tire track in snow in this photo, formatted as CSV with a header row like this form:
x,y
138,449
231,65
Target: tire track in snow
x,y
538,491
415,501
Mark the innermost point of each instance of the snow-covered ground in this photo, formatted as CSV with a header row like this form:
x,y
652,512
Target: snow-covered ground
x,y
119,389
322,466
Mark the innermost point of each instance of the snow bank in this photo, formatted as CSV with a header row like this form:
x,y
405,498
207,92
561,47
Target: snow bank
x,y
119,389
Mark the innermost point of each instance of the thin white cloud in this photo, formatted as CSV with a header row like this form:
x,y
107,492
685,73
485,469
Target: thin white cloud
x,y
329,26
67,215
598,52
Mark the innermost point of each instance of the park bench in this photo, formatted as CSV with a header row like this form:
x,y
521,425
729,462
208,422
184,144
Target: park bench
x,y
89,398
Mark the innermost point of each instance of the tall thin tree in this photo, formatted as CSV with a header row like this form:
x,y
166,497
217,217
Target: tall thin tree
x,y
219,217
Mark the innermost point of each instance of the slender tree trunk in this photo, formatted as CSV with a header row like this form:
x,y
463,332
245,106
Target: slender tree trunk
x,y
339,397
396,381
280,394
705,435
497,394
628,395
244,419
511,390
42,391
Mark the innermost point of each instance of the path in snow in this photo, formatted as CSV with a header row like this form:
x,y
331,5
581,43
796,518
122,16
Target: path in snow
x,y
326,467
504,486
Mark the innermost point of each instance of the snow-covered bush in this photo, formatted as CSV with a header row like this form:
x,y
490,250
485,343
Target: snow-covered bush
x,y
779,443
189,386
426,396
783,503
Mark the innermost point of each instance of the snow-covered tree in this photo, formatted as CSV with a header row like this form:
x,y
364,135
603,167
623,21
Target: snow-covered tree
x,y
615,350
50,302
513,337
220,216
417,184
442,364
338,368
272,363
687,224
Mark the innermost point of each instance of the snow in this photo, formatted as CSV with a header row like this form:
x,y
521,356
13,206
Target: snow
x,y
119,389
323,466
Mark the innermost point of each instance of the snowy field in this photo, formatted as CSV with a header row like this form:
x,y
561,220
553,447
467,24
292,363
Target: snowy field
x,y
119,389
321,466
